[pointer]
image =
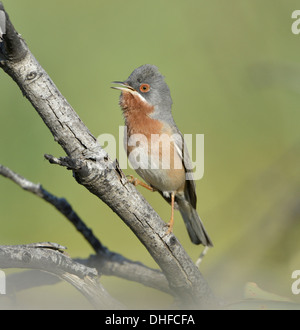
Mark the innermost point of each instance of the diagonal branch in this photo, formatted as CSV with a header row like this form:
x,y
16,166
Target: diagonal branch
x,y
106,262
61,204
93,169
49,258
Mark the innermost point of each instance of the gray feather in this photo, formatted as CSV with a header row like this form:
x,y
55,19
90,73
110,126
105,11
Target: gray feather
x,y
193,223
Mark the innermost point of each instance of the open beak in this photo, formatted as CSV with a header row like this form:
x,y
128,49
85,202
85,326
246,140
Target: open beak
x,y
123,86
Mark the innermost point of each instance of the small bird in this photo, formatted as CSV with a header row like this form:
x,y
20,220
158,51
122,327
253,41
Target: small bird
x,y
156,148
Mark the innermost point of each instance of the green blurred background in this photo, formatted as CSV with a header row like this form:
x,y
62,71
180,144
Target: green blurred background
x,y
234,72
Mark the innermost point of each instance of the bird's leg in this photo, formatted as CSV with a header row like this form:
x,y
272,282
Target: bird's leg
x,y
137,182
171,222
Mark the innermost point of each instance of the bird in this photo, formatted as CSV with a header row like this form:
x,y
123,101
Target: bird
x,y
156,148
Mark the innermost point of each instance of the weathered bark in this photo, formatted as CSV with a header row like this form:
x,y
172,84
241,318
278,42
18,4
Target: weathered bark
x,y
105,261
93,169
49,258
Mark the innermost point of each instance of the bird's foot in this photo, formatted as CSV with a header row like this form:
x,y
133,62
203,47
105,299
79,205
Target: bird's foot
x,y
170,226
171,222
137,182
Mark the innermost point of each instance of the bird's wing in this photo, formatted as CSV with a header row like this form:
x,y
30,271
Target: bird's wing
x,y
181,148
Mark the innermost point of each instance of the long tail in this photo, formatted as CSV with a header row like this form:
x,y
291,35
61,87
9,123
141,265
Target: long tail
x,y
193,223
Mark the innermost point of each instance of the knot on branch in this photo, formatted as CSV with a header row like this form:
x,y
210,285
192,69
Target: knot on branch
x,y
69,163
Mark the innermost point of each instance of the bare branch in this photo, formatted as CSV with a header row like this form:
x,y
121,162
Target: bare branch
x,y
48,257
106,262
113,264
61,204
93,168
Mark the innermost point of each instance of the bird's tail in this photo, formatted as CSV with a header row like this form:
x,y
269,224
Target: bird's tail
x,y
193,223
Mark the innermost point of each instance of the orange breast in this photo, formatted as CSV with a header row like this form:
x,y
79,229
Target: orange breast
x,y
136,113
164,176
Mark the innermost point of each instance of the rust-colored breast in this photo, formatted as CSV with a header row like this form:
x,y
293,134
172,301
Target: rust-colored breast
x,y
136,113
170,173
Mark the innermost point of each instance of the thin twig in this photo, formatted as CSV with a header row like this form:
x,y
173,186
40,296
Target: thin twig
x,y
202,255
48,257
97,172
106,262
61,204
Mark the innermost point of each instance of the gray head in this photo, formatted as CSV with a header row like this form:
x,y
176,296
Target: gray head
x,y
149,83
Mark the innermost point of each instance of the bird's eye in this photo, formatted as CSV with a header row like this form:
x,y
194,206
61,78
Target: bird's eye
x,y
144,88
